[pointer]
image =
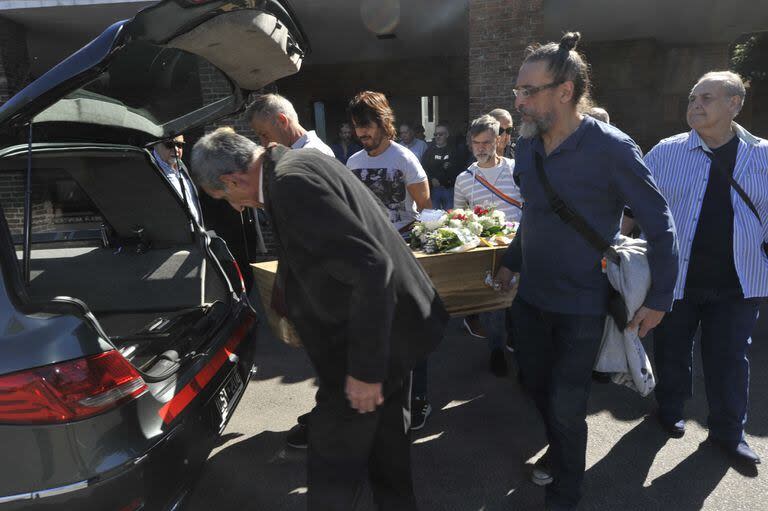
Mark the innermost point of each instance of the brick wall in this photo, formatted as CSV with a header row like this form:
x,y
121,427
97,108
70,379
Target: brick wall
x,y
644,84
14,75
14,60
499,32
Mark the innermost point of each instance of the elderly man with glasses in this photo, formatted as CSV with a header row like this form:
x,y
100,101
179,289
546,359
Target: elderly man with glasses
x,y
714,177
168,154
442,166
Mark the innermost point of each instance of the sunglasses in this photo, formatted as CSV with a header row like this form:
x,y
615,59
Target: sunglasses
x,y
170,144
508,131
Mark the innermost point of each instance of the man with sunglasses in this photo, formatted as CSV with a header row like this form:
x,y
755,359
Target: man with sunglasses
x,y
442,166
168,154
504,145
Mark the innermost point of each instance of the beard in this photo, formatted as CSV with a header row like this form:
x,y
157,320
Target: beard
x,y
536,125
371,143
483,158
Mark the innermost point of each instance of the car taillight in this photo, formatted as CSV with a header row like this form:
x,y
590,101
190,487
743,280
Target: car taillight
x,y
69,391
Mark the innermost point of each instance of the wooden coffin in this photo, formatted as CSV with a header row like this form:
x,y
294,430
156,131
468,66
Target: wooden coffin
x,y
458,278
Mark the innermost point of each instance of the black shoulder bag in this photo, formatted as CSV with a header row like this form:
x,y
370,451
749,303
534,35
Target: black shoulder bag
x,y
718,164
617,308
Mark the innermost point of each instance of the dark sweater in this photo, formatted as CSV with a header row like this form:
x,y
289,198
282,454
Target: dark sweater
x,y
360,301
442,163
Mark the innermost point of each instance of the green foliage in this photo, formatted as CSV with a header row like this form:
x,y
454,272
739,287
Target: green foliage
x,y
750,58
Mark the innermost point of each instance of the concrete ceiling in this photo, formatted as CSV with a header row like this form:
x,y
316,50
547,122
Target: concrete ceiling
x,y
345,30
669,21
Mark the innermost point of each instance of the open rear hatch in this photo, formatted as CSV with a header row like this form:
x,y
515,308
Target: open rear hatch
x,y
108,230
102,225
143,76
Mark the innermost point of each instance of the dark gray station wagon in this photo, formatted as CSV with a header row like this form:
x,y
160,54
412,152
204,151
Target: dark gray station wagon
x,y
126,337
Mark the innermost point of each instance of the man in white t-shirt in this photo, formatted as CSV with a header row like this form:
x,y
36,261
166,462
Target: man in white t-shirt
x,y
489,183
274,119
409,140
393,173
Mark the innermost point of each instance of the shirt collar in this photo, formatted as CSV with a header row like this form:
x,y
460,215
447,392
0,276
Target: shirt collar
x,y
569,144
304,140
695,141
167,169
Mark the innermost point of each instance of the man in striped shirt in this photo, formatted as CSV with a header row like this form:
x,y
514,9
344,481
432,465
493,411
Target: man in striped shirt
x,y
489,183
723,270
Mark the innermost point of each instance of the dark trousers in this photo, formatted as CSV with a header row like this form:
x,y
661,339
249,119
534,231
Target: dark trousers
x,y
555,354
420,380
346,447
726,323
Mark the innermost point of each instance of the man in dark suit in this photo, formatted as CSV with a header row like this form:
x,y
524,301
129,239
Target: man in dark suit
x,y
364,308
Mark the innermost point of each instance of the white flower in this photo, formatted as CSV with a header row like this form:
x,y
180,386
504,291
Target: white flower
x,y
456,224
475,228
499,216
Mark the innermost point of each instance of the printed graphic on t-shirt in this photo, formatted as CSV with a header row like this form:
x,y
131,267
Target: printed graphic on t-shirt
x,y
389,186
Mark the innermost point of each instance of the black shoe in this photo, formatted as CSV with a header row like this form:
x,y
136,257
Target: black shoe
x,y
498,363
675,429
742,452
297,436
420,410
303,419
542,474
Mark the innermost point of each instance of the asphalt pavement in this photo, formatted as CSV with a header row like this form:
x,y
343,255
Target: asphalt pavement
x,y
476,450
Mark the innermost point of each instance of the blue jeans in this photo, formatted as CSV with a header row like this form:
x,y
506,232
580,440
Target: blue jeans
x,y
442,198
555,353
726,321
495,325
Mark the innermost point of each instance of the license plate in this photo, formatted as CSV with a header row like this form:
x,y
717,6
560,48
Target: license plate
x,y
227,395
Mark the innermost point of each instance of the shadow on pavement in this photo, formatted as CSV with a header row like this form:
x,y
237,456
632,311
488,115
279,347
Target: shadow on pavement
x,y
254,474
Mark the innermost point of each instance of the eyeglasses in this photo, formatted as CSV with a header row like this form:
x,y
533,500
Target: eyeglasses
x,y
508,131
170,144
527,92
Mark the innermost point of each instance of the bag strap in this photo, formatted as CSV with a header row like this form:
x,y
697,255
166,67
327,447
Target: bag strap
x,y
717,164
572,218
498,193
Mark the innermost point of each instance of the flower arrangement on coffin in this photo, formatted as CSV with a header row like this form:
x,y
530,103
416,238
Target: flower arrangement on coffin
x,y
459,230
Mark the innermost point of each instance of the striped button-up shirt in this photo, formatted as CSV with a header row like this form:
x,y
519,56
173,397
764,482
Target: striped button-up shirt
x,y
681,169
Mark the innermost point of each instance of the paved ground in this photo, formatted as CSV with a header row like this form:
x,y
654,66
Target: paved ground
x,y
474,452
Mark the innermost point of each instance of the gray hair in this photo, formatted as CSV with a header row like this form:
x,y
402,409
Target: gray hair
x,y
219,153
500,114
732,83
269,105
482,124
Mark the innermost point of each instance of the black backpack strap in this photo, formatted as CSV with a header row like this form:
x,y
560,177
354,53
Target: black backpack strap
x,y
718,164
572,218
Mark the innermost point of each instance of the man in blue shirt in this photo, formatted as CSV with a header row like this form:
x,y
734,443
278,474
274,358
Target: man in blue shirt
x,y
723,271
560,309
